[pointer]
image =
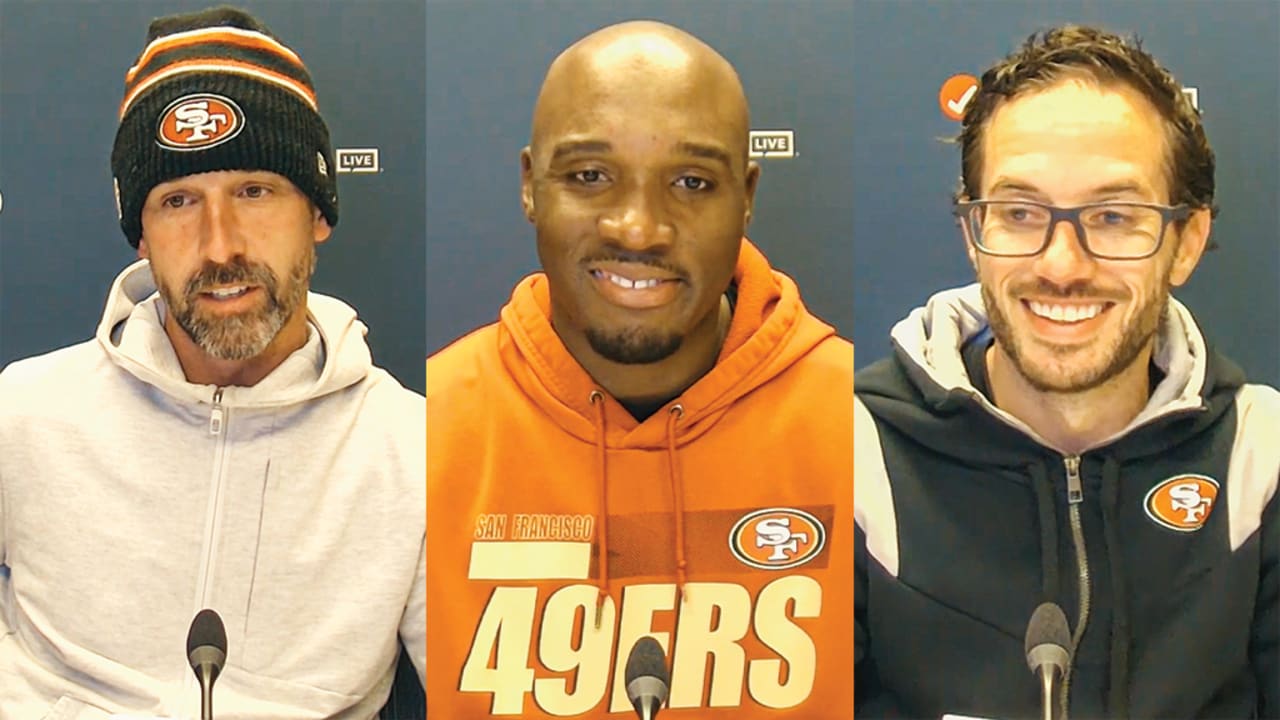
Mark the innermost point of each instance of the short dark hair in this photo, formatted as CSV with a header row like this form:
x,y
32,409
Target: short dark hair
x,y
1070,51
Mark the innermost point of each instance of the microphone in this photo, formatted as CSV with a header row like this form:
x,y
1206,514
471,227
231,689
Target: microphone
x,y
647,678
1048,648
206,651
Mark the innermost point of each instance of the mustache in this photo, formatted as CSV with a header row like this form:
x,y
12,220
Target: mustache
x,y
236,272
1080,289
636,258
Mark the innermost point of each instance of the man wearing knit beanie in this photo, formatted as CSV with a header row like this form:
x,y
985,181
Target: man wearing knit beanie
x,y
225,440
214,92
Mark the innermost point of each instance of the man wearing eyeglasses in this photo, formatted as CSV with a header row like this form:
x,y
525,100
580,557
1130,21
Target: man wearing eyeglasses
x,y
1061,431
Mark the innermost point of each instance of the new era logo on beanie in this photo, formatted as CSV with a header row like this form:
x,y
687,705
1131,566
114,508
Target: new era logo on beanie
x,y
215,90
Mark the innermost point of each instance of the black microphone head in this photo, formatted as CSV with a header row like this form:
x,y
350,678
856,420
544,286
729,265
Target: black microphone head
x,y
206,631
648,680
647,660
1048,626
1048,643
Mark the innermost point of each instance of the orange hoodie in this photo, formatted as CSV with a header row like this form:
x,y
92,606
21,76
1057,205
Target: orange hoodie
x,y
725,521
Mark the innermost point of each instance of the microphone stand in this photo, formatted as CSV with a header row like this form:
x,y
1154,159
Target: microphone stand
x,y
206,695
1046,697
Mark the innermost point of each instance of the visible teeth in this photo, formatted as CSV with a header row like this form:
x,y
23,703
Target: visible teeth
x,y
631,284
229,292
1065,313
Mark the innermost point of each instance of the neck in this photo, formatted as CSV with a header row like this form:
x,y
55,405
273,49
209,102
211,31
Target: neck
x,y
1073,421
661,380
201,368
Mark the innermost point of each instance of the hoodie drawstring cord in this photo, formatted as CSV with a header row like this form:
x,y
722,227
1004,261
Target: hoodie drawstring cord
x,y
677,495
1050,584
597,402
1118,702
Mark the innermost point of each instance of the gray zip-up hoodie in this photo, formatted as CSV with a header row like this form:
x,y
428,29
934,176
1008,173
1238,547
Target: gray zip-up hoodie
x,y
130,499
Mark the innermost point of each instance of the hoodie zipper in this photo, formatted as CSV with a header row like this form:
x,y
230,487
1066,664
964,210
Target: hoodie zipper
x,y
216,415
213,518
213,515
1075,496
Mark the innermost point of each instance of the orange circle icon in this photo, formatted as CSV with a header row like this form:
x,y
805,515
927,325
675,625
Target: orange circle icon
x,y
955,95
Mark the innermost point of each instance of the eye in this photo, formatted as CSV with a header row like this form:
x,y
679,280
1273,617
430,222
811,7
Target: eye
x,y
175,201
1117,217
1016,214
587,177
694,183
254,192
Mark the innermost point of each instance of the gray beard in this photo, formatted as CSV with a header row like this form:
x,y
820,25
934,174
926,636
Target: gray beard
x,y
247,335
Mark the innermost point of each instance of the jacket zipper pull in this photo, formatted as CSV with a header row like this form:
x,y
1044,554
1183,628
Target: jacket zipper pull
x,y
1075,490
215,417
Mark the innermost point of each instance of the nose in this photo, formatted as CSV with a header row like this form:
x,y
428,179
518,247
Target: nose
x,y
1065,261
639,220
220,236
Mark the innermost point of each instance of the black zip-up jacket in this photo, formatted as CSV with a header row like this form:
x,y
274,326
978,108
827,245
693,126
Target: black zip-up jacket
x,y
967,520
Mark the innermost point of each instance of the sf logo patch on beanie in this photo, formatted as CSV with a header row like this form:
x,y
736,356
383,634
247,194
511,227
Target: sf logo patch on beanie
x,y
197,122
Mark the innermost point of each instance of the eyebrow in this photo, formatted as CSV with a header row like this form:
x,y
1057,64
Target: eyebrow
x,y
710,152
1117,188
580,146
1120,188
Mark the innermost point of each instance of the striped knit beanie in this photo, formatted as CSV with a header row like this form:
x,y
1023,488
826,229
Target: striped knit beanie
x,y
215,90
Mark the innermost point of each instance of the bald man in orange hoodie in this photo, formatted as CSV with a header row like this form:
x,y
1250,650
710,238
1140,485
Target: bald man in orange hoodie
x,y
655,438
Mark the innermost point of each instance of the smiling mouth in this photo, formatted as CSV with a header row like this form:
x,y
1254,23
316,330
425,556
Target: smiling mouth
x,y
1067,313
635,293
628,283
228,293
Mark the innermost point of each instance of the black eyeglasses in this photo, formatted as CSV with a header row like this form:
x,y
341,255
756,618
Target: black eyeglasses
x,y
1110,230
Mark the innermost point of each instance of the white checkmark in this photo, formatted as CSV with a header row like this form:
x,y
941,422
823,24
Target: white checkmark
x,y
957,106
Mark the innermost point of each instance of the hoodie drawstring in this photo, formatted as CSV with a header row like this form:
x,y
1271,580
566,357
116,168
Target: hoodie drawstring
x,y
1118,702
677,495
1049,580
597,402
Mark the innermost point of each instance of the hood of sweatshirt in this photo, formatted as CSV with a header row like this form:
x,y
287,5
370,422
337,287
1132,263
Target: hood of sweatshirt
x,y
769,332
924,389
132,334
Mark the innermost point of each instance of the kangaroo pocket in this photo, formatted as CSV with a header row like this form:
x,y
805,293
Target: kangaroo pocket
x,y
68,708
941,660
250,695
328,588
1190,641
